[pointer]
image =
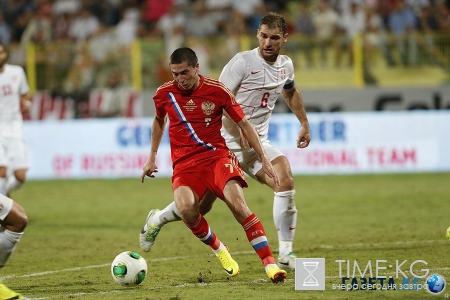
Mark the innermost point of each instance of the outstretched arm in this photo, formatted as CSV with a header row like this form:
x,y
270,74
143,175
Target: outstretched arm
x,y
253,139
150,167
294,101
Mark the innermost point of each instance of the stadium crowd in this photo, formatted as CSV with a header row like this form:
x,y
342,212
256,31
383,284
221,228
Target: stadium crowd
x,y
22,21
90,39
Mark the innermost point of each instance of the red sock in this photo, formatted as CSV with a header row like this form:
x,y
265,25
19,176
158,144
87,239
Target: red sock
x,y
257,238
201,229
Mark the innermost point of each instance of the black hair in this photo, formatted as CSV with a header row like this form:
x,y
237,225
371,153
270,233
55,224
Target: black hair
x,y
184,54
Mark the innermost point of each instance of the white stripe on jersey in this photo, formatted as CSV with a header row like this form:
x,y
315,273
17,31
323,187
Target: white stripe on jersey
x,y
188,125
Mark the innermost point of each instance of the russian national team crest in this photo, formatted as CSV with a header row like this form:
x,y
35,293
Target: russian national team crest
x,y
208,107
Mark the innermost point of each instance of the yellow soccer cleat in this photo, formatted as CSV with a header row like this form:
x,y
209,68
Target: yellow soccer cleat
x,y
230,266
8,294
448,233
275,273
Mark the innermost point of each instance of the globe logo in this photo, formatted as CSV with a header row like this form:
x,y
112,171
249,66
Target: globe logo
x,y
435,283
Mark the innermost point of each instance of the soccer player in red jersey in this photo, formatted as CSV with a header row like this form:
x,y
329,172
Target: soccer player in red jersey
x,y
194,105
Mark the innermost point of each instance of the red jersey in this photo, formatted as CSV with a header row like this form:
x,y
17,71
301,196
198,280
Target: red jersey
x,y
195,117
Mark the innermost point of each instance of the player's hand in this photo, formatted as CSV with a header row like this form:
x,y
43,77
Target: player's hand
x,y
270,170
304,137
25,106
148,170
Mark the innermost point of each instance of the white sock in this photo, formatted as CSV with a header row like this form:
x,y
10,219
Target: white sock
x,y
168,214
12,183
285,219
221,246
8,240
2,186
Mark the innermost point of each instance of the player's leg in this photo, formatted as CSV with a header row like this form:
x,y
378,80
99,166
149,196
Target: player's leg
x,y
13,220
3,164
17,164
233,196
284,209
156,219
188,205
15,180
2,179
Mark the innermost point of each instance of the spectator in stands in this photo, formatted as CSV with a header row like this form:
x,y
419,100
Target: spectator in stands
x,y
66,6
248,8
200,23
402,25
5,30
61,26
444,16
171,26
38,30
113,98
19,24
375,37
154,10
126,30
83,26
326,22
352,25
304,25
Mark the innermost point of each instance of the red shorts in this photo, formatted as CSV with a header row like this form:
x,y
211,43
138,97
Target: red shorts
x,y
211,173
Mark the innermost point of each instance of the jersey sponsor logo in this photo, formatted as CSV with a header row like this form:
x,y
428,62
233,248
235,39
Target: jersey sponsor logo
x,y
208,107
190,105
254,72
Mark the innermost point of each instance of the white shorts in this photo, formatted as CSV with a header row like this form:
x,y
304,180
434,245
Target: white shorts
x,y
13,153
5,206
249,160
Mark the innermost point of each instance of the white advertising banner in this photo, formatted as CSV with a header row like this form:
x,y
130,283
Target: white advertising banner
x,y
342,143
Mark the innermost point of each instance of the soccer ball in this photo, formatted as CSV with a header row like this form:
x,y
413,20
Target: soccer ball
x,y
129,268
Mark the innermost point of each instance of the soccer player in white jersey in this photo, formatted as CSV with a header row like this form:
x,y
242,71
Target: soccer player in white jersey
x,y
257,78
14,99
13,220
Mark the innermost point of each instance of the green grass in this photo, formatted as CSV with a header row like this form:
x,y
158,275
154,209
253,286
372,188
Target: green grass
x,y
76,229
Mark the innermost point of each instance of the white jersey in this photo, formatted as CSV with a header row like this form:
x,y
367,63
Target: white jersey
x,y
13,84
257,85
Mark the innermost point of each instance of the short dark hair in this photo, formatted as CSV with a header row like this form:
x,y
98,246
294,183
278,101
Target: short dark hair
x,y
184,54
274,20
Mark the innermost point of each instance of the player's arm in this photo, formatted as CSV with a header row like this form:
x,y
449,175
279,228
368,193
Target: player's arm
x,y
253,139
294,101
25,103
158,126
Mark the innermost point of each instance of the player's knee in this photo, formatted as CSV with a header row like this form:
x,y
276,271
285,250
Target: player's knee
x,y
22,222
20,176
19,219
289,196
2,172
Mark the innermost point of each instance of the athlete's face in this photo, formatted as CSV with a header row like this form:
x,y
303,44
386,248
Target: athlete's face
x,y
3,56
270,41
186,76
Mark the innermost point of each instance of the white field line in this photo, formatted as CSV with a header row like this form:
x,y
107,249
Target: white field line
x,y
215,283
234,253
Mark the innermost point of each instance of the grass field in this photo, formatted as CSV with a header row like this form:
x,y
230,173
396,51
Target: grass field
x,y
76,229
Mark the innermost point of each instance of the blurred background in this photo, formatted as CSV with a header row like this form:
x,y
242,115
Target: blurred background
x,y
92,59
75,51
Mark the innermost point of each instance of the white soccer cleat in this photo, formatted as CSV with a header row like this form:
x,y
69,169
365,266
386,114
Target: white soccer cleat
x,y
287,261
149,232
